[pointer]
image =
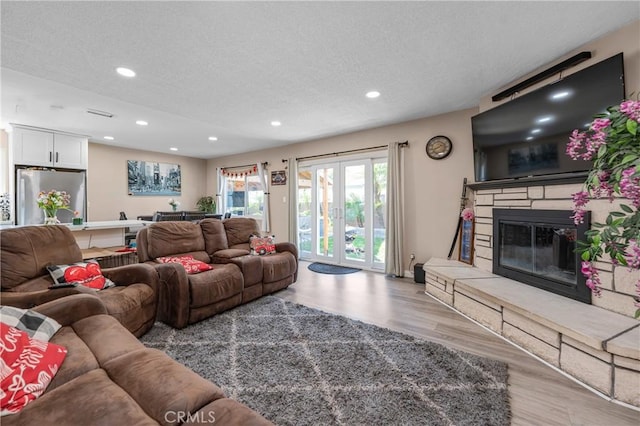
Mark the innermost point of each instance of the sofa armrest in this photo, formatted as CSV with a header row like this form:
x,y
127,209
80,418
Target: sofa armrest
x,y
67,310
174,295
29,299
290,247
133,274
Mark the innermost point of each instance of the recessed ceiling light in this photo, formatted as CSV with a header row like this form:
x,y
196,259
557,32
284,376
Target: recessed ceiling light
x,y
173,148
125,72
276,123
109,138
373,94
142,123
536,131
529,138
213,138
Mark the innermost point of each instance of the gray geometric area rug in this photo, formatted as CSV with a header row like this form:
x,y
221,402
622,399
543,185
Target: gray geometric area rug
x,y
301,366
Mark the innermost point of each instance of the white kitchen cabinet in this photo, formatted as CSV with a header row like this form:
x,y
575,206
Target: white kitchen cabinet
x,y
49,149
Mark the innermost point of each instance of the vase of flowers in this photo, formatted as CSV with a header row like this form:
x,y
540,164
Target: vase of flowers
x,y
613,143
174,204
52,201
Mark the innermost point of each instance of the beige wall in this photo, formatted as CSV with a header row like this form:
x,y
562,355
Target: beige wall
x,y
432,187
107,183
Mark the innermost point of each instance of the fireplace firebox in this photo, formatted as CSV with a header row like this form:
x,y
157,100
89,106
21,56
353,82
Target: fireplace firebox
x,y
538,247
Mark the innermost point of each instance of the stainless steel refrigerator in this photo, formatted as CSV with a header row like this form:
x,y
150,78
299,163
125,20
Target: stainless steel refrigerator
x,y
30,182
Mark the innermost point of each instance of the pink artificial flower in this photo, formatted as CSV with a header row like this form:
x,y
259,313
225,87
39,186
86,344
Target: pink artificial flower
x,y
604,187
467,214
599,124
588,142
593,279
630,186
593,144
631,109
580,199
574,146
632,255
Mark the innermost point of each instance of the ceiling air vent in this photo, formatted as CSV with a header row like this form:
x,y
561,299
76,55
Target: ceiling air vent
x,y
100,113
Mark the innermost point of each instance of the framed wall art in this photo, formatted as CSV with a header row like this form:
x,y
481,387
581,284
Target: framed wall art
x,y
152,178
278,177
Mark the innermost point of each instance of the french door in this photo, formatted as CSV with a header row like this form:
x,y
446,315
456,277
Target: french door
x,y
341,207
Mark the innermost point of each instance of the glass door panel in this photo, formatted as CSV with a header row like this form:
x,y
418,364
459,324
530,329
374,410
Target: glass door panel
x,y
305,211
379,212
324,226
354,208
341,208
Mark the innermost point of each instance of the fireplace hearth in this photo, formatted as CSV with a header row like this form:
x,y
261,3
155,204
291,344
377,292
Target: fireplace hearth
x,y
538,247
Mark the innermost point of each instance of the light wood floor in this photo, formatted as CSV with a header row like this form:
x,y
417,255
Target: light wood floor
x,y
539,395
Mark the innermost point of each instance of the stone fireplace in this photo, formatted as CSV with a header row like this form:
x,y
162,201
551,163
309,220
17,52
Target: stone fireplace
x,y
595,343
538,247
618,283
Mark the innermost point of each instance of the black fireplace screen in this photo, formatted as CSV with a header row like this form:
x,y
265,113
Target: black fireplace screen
x,y
538,247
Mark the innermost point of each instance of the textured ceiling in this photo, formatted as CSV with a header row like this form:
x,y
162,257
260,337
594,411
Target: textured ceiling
x,y
227,69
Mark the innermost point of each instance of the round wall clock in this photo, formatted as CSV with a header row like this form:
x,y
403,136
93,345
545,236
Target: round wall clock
x,y
439,147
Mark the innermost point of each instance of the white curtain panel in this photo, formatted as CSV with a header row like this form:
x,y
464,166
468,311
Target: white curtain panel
x,y
395,211
293,200
220,186
266,222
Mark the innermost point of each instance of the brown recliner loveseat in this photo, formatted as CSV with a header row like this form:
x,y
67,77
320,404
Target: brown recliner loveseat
x,y
26,251
228,241
237,276
110,378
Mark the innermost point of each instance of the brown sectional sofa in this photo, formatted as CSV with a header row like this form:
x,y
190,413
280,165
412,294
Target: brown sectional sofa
x,y
25,252
110,378
237,277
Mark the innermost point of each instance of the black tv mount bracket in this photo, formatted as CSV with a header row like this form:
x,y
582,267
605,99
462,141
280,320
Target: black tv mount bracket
x,y
571,62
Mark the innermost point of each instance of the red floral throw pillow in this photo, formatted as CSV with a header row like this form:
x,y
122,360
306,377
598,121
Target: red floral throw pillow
x,y
27,366
190,265
87,274
262,245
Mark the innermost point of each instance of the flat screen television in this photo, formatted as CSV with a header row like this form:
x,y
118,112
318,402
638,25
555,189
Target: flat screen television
x,y
528,135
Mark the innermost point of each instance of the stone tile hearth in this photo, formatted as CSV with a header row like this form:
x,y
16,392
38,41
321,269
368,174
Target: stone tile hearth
x,y
598,347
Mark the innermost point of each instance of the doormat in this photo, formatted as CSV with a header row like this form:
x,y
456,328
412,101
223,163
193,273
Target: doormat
x,y
324,268
300,366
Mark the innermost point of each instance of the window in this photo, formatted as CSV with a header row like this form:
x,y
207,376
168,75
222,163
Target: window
x,y
243,196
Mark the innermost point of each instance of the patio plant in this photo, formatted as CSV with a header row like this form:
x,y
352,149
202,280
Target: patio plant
x,y
206,204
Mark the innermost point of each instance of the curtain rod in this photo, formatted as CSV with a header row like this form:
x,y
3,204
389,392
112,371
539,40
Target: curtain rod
x,y
266,163
402,144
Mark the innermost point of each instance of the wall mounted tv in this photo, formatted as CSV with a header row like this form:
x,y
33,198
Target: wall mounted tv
x,y
528,135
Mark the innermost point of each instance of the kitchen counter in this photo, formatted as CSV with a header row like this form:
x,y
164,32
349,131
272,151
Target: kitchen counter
x,y
107,224
107,233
